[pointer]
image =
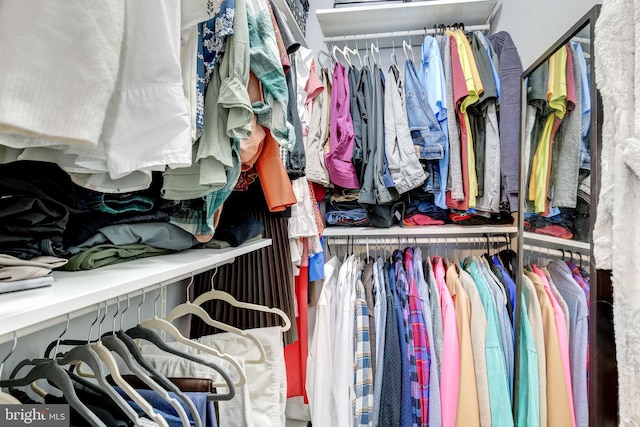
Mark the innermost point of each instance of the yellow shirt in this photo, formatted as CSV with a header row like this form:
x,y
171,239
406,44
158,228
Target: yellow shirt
x,y
474,86
557,98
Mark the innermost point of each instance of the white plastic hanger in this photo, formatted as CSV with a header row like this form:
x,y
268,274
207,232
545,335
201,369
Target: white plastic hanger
x,y
6,398
165,325
335,50
406,45
223,296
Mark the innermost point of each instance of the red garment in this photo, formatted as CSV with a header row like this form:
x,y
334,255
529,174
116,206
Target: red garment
x,y
320,191
295,354
460,91
555,231
421,219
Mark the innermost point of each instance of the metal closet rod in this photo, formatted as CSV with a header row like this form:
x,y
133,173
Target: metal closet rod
x,y
390,241
391,34
558,253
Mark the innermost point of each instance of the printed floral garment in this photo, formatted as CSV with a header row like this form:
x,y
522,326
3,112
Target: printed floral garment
x,y
212,36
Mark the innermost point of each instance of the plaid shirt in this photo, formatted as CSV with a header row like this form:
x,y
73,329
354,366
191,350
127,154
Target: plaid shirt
x,y
420,338
363,374
402,285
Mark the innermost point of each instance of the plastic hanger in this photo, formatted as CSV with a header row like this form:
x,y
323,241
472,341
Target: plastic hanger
x,y
6,398
356,52
326,54
108,359
111,341
406,45
140,362
214,294
394,58
334,51
51,370
164,324
141,332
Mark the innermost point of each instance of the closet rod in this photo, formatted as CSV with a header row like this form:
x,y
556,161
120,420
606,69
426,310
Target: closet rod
x,y
582,40
392,34
390,241
557,252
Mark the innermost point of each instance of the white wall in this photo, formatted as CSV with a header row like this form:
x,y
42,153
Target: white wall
x,y
535,25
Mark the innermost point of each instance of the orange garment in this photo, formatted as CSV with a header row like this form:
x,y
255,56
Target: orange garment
x,y
273,177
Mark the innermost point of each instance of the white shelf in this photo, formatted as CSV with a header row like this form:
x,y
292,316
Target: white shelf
x,y
399,17
293,24
78,292
536,239
430,231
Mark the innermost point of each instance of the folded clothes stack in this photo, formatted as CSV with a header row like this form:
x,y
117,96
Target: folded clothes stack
x,y
19,274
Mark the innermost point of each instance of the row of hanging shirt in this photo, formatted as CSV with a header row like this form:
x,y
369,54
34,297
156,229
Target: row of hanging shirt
x,y
167,383
432,126
557,148
554,345
402,342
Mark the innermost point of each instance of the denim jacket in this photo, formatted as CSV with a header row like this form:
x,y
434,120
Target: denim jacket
x,y
425,129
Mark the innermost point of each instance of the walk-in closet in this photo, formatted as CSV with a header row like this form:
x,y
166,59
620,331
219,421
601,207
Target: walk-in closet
x,y
327,213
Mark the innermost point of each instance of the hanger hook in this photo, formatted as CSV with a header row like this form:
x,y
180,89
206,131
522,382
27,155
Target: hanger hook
x,y
13,348
102,320
155,301
191,280
93,323
571,255
66,327
123,311
213,276
580,256
115,315
144,296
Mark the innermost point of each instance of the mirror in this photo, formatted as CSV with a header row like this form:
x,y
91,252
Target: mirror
x,y
559,184
556,150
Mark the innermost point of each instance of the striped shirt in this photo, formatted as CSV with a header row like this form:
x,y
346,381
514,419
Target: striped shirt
x,y
420,338
402,285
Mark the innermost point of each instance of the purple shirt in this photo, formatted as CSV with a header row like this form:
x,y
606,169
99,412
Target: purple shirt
x,y
341,137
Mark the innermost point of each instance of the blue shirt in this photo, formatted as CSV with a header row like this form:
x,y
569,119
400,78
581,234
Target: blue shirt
x,y
406,402
432,78
499,398
528,386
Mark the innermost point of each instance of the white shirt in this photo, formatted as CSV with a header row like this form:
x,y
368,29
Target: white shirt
x,y
319,361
